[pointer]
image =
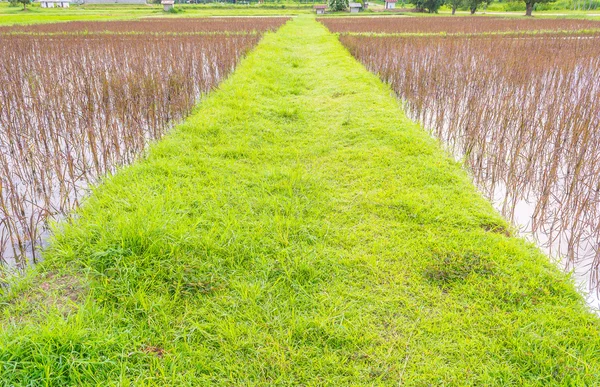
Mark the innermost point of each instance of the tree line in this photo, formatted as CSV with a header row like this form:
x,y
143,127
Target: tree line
x,y
432,6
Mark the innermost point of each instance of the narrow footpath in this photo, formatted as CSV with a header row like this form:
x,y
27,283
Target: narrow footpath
x,y
296,230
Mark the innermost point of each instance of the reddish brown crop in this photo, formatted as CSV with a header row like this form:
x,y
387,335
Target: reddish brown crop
x,y
453,25
158,25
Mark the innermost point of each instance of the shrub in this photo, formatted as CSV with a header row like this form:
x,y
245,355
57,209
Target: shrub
x,y
338,5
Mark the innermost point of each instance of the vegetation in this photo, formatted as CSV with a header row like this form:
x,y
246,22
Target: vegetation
x,y
338,5
287,234
473,5
584,5
162,26
525,128
25,3
454,4
506,6
529,4
453,25
83,105
35,14
431,6
89,12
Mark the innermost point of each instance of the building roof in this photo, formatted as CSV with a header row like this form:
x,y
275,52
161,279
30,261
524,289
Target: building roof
x,y
167,2
320,6
355,5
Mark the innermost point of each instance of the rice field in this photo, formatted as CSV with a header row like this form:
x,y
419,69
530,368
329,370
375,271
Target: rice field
x,y
157,26
76,107
453,25
521,112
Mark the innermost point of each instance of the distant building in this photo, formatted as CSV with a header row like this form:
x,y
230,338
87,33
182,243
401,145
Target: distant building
x,y
320,9
355,7
167,5
54,3
390,4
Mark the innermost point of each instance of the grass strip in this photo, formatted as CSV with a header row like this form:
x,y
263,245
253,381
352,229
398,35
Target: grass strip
x,y
297,229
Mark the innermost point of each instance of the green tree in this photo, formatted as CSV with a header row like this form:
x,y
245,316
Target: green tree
x,y
338,5
454,4
430,6
530,3
25,4
473,5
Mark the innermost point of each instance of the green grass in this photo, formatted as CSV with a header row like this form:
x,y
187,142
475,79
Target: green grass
x,y
297,229
35,14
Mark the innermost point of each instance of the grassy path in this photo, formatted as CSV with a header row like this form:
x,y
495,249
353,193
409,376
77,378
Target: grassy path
x,y
296,230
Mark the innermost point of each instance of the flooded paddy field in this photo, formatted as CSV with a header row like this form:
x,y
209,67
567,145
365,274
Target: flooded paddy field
x,y
221,25
454,25
82,105
522,114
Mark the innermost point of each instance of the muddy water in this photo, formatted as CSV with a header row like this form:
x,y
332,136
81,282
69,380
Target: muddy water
x,y
556,247
576,259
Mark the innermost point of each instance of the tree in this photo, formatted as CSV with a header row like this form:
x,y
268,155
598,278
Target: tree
x,y
25,4
454,4
430,6
474,4
530,3
338,5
